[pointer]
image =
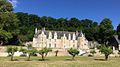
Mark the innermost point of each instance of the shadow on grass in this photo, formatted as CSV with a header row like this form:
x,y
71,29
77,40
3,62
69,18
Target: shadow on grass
x,y
100,59
43,60
38,60
69,59
14,60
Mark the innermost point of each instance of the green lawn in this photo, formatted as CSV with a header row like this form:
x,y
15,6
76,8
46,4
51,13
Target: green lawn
x,y
62,61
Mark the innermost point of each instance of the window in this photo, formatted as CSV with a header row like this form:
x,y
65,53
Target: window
x,y
73,45
55,45
78,46
73,41
41,39
50,40
49,45
64,46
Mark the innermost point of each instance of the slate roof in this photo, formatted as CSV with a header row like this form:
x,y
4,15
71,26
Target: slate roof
x,y
59,33
116,38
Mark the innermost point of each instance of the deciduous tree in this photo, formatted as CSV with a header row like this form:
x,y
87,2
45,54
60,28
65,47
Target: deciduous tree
x,y
106,51
73,52
105,31
11,50
43,52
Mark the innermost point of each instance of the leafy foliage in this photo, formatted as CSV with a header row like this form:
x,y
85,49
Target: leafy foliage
x,y
93,52
8,22
21,26
105,30
44,51
106,51
24,51
11,50
73,52
30,51
5,6
4,36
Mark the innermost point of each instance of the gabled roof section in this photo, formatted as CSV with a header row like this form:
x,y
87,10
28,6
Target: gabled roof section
x,y
59,33
116,37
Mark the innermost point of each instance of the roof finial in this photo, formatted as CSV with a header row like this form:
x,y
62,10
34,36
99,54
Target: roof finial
x,y
36,30
81,34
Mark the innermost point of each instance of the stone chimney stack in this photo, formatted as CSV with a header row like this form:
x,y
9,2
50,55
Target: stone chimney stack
x,y
69,37
74,37
36,30
55,35
50,35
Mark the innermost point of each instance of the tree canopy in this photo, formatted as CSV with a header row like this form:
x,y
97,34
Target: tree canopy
x,y
105,30
11,50
19,27
106,51
8,22
73,52
5,6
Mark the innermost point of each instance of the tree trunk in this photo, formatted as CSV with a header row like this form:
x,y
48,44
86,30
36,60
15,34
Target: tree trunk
x,y
73,57
28,58
12,57
46,54
106,57
56,53
42,56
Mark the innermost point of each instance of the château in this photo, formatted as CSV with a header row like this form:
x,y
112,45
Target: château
x,y
59,39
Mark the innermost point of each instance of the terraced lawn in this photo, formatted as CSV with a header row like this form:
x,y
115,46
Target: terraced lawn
x,y
63,61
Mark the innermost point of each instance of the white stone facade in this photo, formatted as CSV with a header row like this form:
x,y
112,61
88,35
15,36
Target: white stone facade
x,y
59,39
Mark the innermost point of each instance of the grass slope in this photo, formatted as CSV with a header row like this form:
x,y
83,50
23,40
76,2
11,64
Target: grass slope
x,y
62,61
